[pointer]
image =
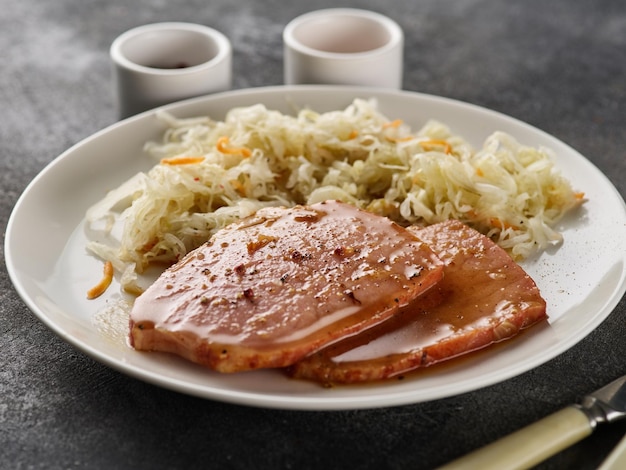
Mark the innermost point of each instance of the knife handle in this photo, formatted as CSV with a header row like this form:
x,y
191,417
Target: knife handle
x,y
530,445
617,459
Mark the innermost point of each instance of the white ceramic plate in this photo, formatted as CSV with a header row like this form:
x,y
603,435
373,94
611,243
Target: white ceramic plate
x,y
582,281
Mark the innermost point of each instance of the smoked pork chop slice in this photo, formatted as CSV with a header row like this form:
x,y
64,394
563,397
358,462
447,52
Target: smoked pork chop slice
x,y
274,287
485,297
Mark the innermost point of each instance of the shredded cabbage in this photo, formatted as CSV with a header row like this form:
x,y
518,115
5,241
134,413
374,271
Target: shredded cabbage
x,y
211,173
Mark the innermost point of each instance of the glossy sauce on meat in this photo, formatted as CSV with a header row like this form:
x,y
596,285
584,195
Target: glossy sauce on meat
x,y
485,297
274,287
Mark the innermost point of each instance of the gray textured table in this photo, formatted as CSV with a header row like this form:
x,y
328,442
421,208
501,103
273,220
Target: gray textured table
x,y
558,65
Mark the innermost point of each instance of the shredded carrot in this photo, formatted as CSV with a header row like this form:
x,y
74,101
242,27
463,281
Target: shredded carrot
x,y
579,196
472,214
237,186
479,172
222,146
399,139
148,246
134,290
105,282
496,222
353,135
181,160
433,143
396,123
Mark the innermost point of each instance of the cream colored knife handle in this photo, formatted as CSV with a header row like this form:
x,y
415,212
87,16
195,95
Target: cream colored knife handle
x,y
530,445
617,459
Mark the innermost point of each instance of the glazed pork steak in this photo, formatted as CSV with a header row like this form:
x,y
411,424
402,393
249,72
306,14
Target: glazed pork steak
x,y
272,288
484,298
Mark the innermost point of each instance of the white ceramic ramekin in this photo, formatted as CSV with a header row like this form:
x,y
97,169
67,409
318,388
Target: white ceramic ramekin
x,y
160,63
343,46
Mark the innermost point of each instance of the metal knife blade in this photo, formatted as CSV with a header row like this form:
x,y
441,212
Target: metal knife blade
x,y
606,404
535,443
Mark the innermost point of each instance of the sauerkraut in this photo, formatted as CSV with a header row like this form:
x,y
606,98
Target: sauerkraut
x,y
210,173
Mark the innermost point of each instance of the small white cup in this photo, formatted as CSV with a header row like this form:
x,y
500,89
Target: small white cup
x,y
343,46
160,63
